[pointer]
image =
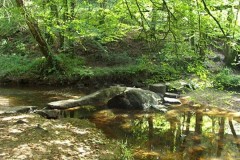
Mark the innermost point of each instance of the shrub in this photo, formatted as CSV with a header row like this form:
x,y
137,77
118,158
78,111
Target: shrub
x,y
226,79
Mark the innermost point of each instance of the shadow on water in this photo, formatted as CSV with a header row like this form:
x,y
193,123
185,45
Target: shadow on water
x,y
185,132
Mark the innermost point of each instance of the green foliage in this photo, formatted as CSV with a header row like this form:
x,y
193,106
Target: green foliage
x,y
179,36
126,153
118,59
199,70
212,97
14,65
227,79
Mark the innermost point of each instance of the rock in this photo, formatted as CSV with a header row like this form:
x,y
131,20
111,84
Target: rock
x,y
136,98
178,87
49,114
171,100
158,88
116,97
95,98
171,95
17,109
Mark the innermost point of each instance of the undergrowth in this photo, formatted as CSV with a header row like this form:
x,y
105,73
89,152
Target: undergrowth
x,y
74,68
226,79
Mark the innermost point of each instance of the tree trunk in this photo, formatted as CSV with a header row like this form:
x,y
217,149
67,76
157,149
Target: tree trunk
x,y
36,33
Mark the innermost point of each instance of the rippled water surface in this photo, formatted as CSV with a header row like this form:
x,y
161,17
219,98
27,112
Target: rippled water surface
x,y
184,132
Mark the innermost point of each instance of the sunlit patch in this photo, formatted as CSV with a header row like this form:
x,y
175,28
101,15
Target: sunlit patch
x,y
23,151
4,101
79,131
13,130
63,142
146,154
59,126
17,117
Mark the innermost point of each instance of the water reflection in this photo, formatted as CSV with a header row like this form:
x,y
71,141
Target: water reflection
x,y
182,133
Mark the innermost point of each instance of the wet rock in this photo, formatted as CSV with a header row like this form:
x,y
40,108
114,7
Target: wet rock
x,y
159,88
96,98
48,113
136,98
17,109
128,97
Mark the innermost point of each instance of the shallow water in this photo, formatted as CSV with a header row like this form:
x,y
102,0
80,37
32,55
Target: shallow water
x,y
184,132
25,96
177,134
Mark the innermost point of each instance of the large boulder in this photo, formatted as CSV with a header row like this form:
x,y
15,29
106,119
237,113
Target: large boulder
x,y
135,98
115,97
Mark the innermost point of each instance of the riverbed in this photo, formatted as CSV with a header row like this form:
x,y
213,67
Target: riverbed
x,y
189,131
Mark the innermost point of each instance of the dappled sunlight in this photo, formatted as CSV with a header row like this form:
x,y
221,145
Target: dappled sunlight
x,y
4,101
17,117
63,142
145,154
72,129
30,136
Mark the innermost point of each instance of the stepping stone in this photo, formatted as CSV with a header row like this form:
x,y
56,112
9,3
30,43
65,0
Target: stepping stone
x,y
158,88
171,100
171,95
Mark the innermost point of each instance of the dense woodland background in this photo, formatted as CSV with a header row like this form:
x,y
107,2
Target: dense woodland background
x,y
119,41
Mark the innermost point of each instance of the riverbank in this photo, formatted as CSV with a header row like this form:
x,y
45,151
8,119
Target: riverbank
x,y
29,136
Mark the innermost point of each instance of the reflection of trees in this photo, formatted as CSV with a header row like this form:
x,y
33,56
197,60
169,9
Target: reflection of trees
x,y
197,150
191,135
234,133
221,136
199,120
150,131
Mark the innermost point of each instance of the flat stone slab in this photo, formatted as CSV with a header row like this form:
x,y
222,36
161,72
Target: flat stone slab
x,y
171,95
171,100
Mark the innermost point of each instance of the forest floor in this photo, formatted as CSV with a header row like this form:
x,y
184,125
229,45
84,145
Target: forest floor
x,y
29,136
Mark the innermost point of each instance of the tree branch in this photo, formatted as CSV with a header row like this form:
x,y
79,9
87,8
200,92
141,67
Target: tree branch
x,y
214,18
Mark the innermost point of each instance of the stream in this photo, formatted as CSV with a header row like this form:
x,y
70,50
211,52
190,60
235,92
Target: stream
x,y
184,132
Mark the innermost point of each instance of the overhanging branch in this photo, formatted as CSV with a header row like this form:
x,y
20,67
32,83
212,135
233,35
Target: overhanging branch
x,y
214,18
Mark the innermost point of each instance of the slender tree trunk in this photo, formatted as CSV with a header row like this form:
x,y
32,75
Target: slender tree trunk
x,y
71,18
153,23
72,9
36,33
65,18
